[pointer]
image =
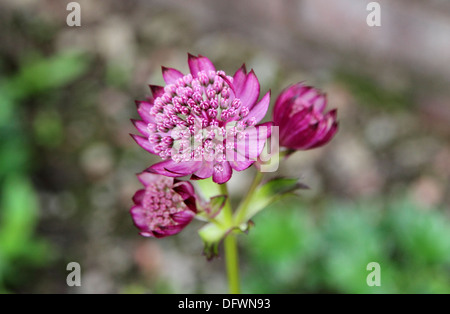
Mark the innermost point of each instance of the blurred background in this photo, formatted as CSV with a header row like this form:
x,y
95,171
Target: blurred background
x,y
379,192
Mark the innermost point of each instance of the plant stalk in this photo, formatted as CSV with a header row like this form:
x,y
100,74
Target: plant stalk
x,y
241,211
230,245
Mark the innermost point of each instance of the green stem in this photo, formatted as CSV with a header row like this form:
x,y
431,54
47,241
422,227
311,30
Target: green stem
x,y
232,262
230,244
241,211
227,211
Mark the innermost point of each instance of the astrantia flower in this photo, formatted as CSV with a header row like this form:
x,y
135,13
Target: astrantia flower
x,y
164,207
204,123
299,113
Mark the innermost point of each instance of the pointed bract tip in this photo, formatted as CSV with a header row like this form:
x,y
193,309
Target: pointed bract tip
x,y
191,56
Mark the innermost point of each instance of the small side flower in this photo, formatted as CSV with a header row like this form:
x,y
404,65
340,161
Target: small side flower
x,y
299,113
164,206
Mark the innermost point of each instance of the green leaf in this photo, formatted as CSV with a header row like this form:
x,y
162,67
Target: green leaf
x,y
53,72
14,154
270,192
18,215
212,209
6,106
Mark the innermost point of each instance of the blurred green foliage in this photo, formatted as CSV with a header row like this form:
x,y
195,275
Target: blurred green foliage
x,y
37,75
295,250
369,92
18,245
19,206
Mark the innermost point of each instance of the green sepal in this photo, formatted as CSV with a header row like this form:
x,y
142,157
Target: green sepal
x,y
208,211
211,234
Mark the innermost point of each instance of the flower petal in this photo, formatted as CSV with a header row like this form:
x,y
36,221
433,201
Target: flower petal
x,y
305,134
239,78
260,109
141,126
138,213
191,203
171,168
138,196
146,178
284,101
171,75
331,127
143,108
157,91
184,217
240,165
250,91
253,143
200,63
168,231
205,171
147,234
222,175
184,188
291,126
144,143
327,137
320,103
302,139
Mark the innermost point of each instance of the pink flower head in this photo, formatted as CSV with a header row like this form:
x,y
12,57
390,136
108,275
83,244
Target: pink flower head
x,y
164,207
299,113
204,123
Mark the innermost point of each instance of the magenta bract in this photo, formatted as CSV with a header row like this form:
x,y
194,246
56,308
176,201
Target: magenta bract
x,y
299,113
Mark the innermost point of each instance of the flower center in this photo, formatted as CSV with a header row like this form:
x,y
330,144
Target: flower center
x,y
160,202
195,117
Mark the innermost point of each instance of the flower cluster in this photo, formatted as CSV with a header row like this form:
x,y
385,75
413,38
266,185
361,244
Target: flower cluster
x,y
200,122
205,124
